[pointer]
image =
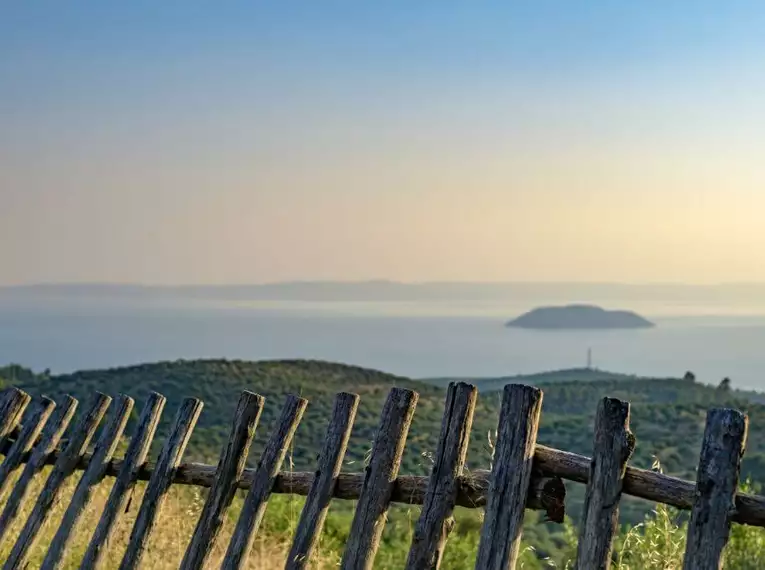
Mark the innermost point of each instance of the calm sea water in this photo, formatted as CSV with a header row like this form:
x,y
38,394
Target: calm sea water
x,y
413,340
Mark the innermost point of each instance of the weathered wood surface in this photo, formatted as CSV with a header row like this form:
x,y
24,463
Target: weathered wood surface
x,y
436,521
50,439
549,462
263,483
510,478
34,422
716,483
161,479
95,472
126,477
64,467
613,445
384,462
230,467
13,402
323,482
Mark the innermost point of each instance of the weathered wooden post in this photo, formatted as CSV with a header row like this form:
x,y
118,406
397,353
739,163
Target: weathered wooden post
x,y
612,448
716,485
510,478
436,520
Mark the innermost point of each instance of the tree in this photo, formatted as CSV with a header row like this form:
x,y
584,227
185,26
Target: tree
x,y
724,385
689,377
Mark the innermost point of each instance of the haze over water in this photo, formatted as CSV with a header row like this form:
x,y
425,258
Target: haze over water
x,y
416,339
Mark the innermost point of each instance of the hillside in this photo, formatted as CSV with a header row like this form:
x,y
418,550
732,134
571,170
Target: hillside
x,y
579,317
667,414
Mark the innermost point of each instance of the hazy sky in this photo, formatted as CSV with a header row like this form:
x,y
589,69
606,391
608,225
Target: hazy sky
x,y
176,142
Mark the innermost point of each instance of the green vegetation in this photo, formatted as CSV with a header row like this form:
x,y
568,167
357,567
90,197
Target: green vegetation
x,y
667,417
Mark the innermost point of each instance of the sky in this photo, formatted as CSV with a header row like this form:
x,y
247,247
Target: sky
x,y
546,140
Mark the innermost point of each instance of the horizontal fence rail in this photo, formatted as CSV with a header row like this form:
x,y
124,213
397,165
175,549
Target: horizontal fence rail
x,y
524,475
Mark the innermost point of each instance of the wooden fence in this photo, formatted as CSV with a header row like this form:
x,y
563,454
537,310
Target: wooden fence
x,y
523,475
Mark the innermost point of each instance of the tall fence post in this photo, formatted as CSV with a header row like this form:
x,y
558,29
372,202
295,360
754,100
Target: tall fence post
x,y
227,475
64,467
156,490
381,473
436,520
612,448
30,431
263,483
51,436
13,402
716,485
320,494
93,474
510,477
135,458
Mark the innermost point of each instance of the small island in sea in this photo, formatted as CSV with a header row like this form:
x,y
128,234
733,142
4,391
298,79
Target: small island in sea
x,y
579,317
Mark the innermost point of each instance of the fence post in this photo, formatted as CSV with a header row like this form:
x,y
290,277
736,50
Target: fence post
x,y
384,463
52,434
230,467
716,485
612,448
262,484
320,494
135,458
30,431
436,520
12,405
161,478
64,467
510,478
94,473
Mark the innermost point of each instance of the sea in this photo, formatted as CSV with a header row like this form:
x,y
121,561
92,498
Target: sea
x,y
414,339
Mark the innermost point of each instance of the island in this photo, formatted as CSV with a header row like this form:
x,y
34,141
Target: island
x,y
579,317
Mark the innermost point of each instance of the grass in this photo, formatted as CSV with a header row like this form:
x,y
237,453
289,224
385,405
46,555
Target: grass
x,y
667,418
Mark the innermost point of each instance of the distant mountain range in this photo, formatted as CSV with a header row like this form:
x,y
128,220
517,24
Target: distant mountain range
x,y
382,290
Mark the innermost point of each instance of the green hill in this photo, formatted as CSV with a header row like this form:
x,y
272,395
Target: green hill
x,y
667,414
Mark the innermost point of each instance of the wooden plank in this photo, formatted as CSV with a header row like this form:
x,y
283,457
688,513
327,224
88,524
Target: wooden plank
x,y
51,492
30,431
104,450
613,446
156,490
12,405
230,467
436,519
716,484
510,478
372,508
126,477
255,504
322,486
51,436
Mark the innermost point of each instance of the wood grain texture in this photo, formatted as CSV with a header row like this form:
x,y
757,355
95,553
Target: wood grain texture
x,y
62,470
95,472
510,478
716,483
126,477
50,439
263,483
229,472
161,479
613,446
384,462
323,482
13,402
34,422
436,522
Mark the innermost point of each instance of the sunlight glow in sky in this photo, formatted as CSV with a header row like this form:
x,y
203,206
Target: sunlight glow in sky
x,y
247,142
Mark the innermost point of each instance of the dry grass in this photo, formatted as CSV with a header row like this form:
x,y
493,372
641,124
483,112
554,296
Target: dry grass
x,y
169,539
